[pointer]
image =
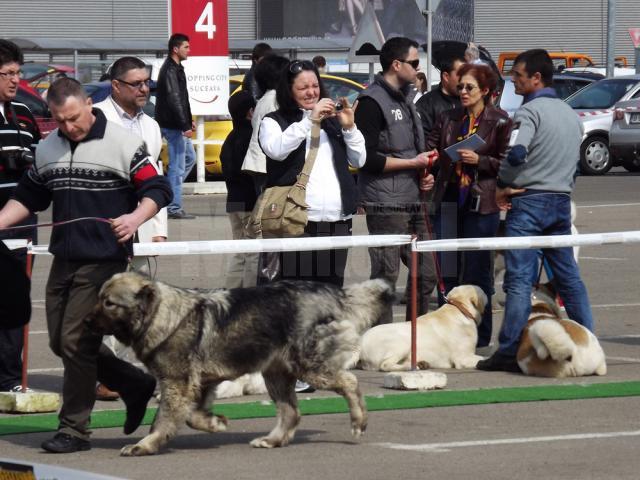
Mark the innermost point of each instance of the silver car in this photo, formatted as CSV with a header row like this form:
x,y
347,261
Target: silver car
x,y
594,104
624,136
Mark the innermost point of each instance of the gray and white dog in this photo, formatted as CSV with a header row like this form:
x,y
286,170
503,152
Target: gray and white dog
x,y
192,340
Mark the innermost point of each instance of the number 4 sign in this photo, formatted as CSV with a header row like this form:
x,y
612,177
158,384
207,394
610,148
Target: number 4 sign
x,y
205,22
207,68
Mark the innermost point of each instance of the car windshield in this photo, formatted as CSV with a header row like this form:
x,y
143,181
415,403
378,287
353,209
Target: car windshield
x,y
336,89
602,94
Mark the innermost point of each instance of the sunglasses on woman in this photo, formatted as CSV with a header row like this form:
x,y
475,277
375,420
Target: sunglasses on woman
x,y
466,86
297,66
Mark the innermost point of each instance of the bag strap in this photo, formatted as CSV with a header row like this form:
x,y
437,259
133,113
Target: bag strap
x,y
314,146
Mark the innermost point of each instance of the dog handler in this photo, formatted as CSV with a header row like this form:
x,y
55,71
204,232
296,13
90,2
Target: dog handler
x,y
88,167
534,186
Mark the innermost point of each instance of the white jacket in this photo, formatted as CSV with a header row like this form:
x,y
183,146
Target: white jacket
x,y
255,160
156,226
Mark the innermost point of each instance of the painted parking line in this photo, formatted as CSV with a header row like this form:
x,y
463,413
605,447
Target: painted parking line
x,y
608,205
613,259
446,447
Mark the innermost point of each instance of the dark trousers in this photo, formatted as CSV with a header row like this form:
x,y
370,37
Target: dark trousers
x,y
385,261
326,266
470,267
12,341
72,292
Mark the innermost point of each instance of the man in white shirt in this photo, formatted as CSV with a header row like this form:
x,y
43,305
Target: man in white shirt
x,y
129,94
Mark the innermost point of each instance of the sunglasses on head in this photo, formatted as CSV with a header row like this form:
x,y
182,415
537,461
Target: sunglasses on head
x,y
466,86
297,66
414,63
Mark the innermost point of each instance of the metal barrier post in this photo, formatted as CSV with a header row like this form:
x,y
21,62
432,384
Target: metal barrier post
x,y
25,333
414,301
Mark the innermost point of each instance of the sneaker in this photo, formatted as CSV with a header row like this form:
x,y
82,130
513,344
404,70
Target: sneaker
x,y
65,443
303,387
104,394
499,362
18,389
180,215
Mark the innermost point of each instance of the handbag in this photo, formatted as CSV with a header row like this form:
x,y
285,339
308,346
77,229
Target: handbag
x,y
282,211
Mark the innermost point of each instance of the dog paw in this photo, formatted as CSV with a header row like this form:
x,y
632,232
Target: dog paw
x,y
358,430
136,450
263,442
219,423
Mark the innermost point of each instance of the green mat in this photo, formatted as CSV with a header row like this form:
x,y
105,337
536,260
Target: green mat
x,y
393,401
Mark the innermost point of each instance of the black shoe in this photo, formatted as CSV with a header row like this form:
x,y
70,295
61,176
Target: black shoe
x,y
180,215
136,403
65,443
499,362
303,387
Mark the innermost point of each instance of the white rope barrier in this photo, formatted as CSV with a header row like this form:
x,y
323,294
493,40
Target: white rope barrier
x,y
268,245
216,247
519,243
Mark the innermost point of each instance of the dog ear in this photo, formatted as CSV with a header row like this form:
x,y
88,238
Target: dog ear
x,y
146,297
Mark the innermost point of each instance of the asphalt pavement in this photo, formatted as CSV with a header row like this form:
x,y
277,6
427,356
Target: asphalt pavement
x,y
562,439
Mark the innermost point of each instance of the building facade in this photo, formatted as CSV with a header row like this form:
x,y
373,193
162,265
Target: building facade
x,y
499,25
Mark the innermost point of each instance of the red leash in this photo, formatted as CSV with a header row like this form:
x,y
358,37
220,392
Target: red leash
x,y
56,224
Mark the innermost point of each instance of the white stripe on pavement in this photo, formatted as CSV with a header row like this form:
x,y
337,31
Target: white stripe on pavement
x,y
445,447
607,205
615,259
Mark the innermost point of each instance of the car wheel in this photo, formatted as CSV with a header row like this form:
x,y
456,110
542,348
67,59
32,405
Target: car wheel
x,y
595,158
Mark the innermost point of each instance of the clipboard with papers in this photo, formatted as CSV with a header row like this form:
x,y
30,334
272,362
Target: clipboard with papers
x,y
474,142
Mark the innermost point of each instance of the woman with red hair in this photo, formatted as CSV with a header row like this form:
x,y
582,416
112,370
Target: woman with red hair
x,y
464,192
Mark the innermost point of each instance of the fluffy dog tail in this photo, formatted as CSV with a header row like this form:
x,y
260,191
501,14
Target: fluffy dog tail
x,y
369,301
550,339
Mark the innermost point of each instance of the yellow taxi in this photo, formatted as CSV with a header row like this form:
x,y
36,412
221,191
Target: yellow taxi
x,y
216,131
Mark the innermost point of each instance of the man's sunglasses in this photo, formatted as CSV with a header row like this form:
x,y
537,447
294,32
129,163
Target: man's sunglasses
x,y
138,85
414,63
466,86
297,66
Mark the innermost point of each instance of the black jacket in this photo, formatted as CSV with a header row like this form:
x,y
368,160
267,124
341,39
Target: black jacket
x,y
15,304
172,97
241,191
431,105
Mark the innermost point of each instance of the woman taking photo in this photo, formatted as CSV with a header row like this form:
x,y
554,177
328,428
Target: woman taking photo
x,y
331,194
464,192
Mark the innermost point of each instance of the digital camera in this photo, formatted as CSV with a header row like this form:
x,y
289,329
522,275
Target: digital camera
x,y
17,160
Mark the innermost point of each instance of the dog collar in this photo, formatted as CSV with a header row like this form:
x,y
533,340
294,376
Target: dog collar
x,y
462,308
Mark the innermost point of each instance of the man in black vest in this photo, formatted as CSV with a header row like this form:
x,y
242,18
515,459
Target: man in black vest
x,y
19,135
396,167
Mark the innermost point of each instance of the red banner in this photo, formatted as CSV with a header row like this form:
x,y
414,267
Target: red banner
x,y
205,23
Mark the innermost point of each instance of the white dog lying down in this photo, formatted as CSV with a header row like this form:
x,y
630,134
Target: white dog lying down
x,y
446,338
247,384
555,347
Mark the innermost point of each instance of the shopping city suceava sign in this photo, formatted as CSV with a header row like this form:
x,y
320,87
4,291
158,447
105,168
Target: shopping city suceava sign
x,y
207,68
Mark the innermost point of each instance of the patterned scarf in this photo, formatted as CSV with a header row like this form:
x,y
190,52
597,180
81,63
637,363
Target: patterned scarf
x,y
464,172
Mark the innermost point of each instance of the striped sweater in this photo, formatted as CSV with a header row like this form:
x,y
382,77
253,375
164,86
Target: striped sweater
x,y
19,132
104,175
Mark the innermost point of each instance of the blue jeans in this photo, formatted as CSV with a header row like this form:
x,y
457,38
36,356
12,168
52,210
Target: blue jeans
x,y
539,214
182,157
471,267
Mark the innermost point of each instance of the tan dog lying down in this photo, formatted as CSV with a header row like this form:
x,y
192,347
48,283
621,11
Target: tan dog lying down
x,y
446,338
555,347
